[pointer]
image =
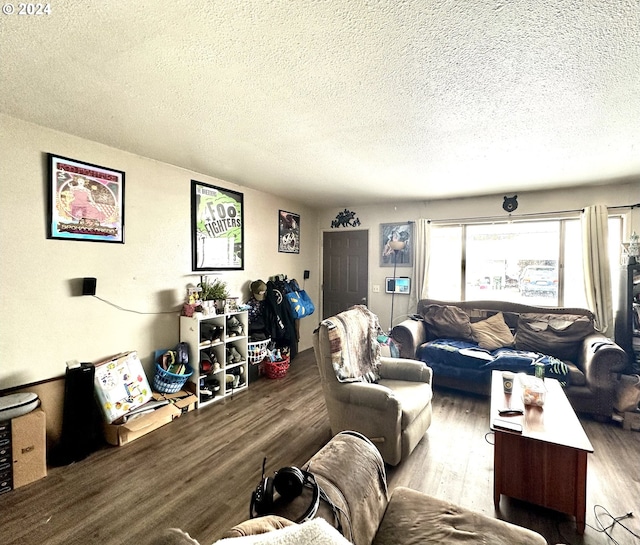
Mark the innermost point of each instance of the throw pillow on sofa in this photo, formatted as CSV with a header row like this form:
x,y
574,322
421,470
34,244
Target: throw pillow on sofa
x,y
558,335
447,322
492,333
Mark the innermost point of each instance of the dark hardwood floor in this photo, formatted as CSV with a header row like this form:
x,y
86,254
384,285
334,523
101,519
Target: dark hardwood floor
x,y
198,472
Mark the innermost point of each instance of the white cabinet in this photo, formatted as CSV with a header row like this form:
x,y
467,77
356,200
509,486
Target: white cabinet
x,y
217,354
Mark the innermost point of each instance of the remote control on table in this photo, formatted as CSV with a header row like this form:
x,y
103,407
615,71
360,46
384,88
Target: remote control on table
x,y
507,425
508,411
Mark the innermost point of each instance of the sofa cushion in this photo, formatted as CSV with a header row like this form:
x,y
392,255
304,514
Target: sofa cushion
x,y
479,314
448,322
413,518
413,398
558,335
456,353
492,333
507,359
462,359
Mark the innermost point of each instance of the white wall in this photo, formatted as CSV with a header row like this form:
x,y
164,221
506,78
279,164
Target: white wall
x,y
371,216
44,324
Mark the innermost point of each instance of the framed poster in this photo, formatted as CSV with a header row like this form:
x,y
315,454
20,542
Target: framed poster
x,y
86,201
217,228
396,232
288,232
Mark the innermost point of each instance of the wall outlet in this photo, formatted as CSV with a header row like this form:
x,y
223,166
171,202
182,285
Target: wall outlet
x,y
376,288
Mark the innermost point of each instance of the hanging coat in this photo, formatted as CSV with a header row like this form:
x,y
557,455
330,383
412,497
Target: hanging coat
x,y
279,319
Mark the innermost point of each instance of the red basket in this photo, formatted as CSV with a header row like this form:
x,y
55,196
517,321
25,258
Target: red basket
x,y
276,369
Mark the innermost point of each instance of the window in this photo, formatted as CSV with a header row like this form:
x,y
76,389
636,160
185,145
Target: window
x,y
444,265
535,262
513,261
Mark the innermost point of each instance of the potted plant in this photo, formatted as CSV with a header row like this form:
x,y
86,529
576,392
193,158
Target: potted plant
x,y
214,291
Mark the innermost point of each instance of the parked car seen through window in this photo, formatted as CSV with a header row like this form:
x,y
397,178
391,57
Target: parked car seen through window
x,y
539,280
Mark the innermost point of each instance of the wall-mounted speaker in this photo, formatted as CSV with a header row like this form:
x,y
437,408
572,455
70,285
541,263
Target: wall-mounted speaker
x,y
89,286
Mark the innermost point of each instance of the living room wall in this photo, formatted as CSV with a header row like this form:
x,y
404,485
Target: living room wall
x,y
612,193
46,324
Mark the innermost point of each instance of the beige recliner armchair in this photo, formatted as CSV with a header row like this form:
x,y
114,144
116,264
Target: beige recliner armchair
x,y
386,399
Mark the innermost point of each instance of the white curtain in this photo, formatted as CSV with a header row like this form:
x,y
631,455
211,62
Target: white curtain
x,y
595,257
422,242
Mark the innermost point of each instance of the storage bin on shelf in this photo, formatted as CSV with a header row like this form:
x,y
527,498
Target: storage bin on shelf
x,y
257,351
276,369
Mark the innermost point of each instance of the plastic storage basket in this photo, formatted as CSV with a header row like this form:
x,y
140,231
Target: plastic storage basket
x,y
170,383
257,351
276,369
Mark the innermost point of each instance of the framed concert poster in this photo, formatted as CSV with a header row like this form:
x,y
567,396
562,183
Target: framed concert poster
x,y
288,232
217,228
86,201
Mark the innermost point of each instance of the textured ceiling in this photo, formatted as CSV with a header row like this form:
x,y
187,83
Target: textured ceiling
x,y
342,102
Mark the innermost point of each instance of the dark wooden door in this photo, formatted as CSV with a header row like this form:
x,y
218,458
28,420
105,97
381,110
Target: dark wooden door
x,y
345,270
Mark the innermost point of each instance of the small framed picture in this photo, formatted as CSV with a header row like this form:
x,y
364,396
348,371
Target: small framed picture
x,y
288,232
217,228
396,244
86,201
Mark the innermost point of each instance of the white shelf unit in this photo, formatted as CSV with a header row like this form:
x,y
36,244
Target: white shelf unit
x,y
194,331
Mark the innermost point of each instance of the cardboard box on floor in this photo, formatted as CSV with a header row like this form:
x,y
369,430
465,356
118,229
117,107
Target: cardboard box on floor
x,y
29,447
121,385
181,402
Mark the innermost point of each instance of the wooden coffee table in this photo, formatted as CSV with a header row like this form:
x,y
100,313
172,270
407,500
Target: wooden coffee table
x,y
545,464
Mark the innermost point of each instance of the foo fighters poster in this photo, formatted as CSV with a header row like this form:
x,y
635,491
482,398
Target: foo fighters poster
x,y
217,228
86,202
